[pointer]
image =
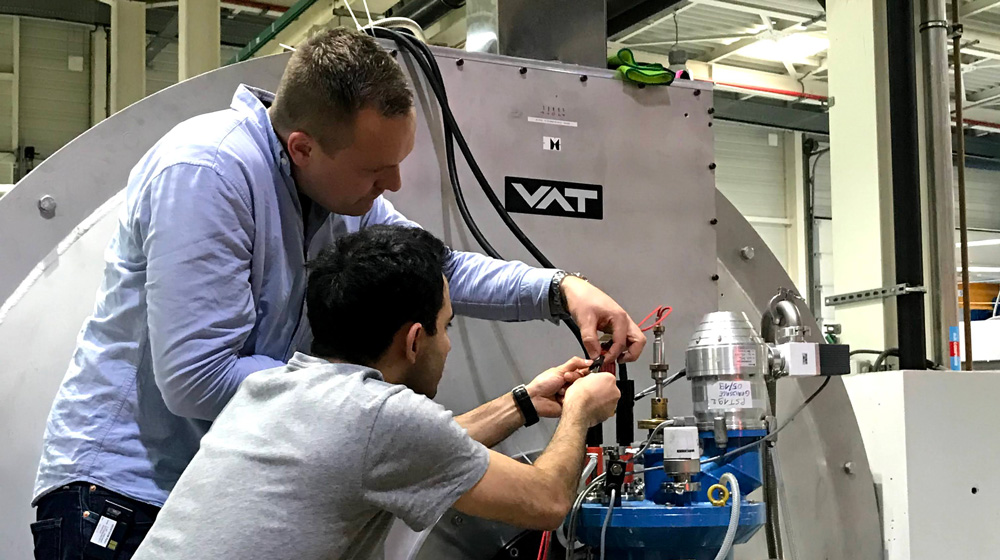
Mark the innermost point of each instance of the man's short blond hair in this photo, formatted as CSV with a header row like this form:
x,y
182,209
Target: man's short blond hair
x,y
329,79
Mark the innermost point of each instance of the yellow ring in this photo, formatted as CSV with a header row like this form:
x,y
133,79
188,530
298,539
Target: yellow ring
x,y
720,501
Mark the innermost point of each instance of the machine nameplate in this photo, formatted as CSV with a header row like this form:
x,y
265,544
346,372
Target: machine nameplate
x,y
553,198
745,357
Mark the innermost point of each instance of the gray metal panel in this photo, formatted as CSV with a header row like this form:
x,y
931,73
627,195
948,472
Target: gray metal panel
x,y
657,186
827,513
95,165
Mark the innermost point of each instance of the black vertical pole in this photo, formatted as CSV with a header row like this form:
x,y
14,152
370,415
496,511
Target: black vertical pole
x,y
906,182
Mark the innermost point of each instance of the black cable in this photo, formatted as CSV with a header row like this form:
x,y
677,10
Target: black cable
x,y
772,435
772,525
450,122
625,411
425,59
649,390
877,366
433,73
883,354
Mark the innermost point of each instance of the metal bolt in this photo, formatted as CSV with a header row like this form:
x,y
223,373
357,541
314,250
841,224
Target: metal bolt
x,y
715,278
93,488
713,221
712,166
849,467
697,92
47,207
711,110
583,78
460,62
747,253
523,70
86,514
457,520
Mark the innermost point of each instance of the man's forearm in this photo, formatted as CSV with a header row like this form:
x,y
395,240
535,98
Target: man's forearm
x,y
492,289
563,457
492,422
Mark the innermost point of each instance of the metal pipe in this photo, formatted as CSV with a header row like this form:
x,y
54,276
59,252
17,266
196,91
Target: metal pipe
x,y
963,227
424,12
938,175
906,183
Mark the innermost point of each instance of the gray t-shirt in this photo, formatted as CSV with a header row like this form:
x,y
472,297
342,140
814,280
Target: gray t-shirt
x,y
312,461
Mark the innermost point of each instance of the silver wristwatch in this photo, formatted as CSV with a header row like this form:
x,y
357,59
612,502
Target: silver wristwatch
x,y
557,303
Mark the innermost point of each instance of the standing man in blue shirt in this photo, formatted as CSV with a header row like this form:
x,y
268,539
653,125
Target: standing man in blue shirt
x,y
204,283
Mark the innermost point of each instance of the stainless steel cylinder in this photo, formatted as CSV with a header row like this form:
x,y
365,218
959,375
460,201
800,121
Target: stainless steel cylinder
x,y
726,364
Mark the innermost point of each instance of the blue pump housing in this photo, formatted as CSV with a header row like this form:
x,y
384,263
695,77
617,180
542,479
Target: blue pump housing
x,y
669,526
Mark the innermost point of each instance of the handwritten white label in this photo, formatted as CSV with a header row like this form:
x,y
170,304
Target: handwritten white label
x,y
724,395
103,532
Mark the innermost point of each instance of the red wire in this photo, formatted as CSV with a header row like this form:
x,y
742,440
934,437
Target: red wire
x,y
543,551
661,312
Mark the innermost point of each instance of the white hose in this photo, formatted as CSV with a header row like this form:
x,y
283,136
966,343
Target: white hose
x,y
588,470
734,515
402,23
607,521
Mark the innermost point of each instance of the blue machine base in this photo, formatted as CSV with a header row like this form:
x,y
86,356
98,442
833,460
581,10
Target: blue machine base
x,y
647,531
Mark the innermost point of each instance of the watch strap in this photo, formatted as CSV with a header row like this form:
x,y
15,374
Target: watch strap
x,y
523,401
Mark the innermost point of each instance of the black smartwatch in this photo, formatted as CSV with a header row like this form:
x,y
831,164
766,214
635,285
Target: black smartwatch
x,y
523,401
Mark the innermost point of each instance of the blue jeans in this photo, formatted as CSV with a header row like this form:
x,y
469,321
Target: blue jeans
x,y
68,516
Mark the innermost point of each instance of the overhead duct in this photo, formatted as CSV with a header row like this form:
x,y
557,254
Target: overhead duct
x,y
569,31
619,14
424,12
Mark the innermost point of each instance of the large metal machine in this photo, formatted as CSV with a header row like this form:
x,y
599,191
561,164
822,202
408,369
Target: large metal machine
x,y
614,180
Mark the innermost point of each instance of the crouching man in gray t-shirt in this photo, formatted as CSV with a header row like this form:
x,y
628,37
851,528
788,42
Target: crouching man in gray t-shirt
x,y
313,460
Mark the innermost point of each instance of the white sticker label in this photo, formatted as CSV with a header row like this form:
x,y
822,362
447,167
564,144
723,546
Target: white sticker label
x,y
551,143
103,532
729,394
556,122
745,357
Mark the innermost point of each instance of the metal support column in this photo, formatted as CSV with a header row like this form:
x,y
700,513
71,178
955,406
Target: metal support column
x,y
128,53
860,168
98,75
937,174
198,34
909,256
960,148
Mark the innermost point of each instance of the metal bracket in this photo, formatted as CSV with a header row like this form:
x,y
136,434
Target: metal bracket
x,y
877,293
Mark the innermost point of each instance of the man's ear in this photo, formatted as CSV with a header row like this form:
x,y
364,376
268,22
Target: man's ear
x,y
414,338
300,147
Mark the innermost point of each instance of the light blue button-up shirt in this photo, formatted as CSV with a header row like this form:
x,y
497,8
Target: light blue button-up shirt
x,y
204,284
